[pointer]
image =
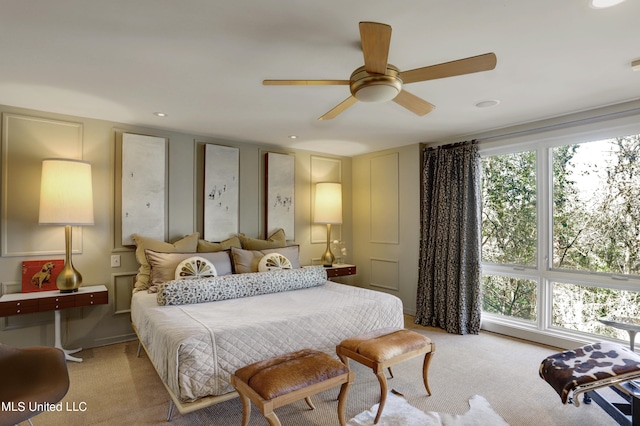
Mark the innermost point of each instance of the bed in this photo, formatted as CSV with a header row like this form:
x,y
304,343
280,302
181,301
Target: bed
x,y
195,345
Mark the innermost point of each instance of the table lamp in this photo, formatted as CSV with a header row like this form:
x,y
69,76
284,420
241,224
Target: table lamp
x,y
66,198
328,209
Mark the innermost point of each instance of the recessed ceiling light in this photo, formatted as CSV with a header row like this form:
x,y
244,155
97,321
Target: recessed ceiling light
x,y
293,137
487,104
602,4
160,114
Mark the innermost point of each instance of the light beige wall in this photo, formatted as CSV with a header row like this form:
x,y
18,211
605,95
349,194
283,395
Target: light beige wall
x,y
386,221
96,326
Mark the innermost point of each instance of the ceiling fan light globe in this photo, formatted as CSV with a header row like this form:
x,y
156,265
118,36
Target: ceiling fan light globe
x,y
377,93
368,87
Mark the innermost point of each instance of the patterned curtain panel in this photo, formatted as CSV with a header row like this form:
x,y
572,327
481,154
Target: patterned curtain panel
x,y
449,277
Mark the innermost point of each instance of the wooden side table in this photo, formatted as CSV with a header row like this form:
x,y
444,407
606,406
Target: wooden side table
x,y
44,301
340,270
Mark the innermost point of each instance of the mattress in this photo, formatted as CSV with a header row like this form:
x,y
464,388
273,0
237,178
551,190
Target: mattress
x,y
195,348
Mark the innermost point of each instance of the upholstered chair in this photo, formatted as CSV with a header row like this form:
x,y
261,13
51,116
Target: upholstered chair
x,y
31,379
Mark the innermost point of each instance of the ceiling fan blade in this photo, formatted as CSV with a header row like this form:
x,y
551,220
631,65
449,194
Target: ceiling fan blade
x,y
478,63
339,108
305,82
413,103
376,39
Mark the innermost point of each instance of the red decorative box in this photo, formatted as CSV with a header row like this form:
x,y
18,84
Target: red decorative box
x,y
40,275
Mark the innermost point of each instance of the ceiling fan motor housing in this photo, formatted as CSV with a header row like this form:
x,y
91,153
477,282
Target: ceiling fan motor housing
x,y
368,87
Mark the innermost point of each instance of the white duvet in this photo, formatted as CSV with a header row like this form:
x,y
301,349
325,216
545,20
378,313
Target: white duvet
x,y
196,347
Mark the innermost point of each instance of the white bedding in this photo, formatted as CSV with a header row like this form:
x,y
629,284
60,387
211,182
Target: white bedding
x,y
196,347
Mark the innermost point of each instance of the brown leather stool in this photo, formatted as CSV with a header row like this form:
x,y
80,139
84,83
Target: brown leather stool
x,y
383,348
279,381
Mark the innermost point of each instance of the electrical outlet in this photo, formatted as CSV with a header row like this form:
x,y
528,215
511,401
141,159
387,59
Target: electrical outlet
x,y
115,260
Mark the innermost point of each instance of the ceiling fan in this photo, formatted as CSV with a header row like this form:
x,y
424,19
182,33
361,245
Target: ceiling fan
x,y
379,81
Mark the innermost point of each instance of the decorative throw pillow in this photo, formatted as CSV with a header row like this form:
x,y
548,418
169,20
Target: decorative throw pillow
x,y
195,267
205,246
273,262
275,240
245,261
186,244
163,265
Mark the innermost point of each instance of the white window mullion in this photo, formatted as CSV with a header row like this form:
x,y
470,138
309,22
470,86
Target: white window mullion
x,y
544,189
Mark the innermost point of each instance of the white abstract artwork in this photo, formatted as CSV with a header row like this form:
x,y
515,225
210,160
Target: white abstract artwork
x,y
280,210
221,191
143,187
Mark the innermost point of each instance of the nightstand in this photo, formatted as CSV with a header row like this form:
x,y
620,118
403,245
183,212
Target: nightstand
x,y
43,301
340,270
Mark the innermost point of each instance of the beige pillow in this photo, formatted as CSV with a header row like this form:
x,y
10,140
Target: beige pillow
x,y
245,261
163,265
187,244
275,240
205,246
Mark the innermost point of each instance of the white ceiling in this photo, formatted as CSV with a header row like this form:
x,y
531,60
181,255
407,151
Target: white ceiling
x,y
203,61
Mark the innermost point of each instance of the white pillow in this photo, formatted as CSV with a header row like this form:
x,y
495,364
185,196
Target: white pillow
x,y
195,267
273,262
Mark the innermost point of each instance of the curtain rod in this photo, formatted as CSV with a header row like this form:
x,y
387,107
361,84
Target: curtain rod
x,y
450,145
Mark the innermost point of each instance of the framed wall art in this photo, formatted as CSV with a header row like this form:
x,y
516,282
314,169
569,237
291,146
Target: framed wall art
x,y
143,187
40,275
221,191
280,202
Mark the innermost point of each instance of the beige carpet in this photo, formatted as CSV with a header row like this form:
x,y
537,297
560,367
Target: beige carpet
x,y
113,387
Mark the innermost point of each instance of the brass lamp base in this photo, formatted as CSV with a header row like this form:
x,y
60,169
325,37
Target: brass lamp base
x,y
328,258
69,279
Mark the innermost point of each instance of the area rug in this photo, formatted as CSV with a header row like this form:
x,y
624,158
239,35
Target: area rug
x,y
398,412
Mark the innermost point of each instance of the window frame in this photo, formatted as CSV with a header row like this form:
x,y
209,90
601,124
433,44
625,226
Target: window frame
x,y
543,140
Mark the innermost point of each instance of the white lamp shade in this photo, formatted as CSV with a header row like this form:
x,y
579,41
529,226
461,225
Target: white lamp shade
x,y
66,194
328,206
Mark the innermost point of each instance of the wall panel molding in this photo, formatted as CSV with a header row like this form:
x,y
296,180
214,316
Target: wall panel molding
x,y
122,285
26,141
385,200
384,273
11,287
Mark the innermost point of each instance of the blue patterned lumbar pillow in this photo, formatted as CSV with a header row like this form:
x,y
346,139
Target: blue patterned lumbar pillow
x,y
200,290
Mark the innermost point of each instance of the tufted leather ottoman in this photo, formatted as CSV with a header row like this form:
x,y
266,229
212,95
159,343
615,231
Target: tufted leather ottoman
x,y
279,381
384,348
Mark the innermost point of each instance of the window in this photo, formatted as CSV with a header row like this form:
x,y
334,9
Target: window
x,y
509,209
596,209
561,234
510,296
577,307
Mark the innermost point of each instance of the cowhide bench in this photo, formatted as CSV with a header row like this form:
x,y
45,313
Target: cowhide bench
x,y
573,372
381,349
281,380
